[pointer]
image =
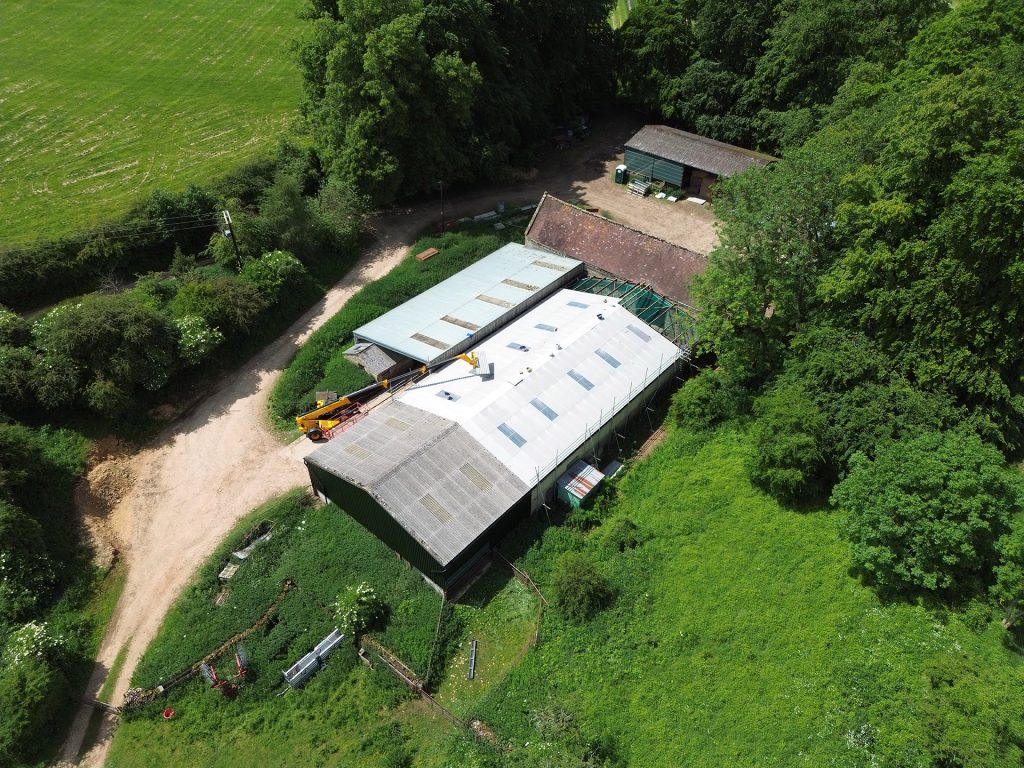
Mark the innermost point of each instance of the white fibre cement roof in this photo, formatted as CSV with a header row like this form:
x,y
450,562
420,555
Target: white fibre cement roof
x,y
561,371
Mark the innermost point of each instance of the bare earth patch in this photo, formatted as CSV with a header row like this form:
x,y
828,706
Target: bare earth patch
x,y
108,479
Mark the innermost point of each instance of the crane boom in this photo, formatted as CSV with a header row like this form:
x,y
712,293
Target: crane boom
x,y
329,414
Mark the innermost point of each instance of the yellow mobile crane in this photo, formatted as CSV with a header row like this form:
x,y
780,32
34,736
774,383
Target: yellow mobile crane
x,y
317,423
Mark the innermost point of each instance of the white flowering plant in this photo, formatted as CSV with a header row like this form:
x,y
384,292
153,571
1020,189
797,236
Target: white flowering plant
x,y
358,608
196,339
33,640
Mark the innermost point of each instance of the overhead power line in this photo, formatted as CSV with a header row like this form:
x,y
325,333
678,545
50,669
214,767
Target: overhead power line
x,y
141,228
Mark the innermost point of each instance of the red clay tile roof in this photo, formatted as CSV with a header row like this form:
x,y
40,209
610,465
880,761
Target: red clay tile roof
x,y
621,251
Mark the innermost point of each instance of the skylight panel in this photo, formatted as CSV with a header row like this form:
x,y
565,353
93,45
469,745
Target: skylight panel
x,y
512,435
607,358
644,337
583,381
544,408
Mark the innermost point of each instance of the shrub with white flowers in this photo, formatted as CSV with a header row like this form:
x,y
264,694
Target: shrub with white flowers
x,y
196,339
33,640
274,272
358,608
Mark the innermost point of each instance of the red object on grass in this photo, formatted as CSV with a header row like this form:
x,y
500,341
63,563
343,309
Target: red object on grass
x,y
168,713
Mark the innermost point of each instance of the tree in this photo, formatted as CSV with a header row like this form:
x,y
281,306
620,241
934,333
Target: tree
x,y
813,47
291,219
926,513
274,273
401,94
707,400
227,304
14,331
16,364
359,608
866,402
25,570
789,450
1008,589
777,239
112,340
31,692
580,591
932,268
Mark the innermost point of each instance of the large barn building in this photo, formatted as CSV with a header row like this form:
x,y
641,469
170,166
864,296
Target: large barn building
x,y
451,463
686,160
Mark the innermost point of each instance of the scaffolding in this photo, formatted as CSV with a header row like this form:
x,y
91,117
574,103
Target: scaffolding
x,y
675,320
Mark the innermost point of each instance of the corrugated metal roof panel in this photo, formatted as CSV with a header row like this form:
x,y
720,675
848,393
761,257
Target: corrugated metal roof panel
x,y
505,277
596,345
581,479
431,476
454,467
696,151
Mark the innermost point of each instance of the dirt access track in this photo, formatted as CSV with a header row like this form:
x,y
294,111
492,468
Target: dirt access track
x,y
186,489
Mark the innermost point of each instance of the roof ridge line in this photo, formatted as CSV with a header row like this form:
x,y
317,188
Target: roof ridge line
x,y
618,224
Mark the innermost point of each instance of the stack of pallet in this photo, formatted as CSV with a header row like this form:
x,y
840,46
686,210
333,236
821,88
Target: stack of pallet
x,y
638,188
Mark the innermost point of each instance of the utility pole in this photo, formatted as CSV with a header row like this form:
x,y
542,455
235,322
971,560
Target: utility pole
x,y
440,183
229,233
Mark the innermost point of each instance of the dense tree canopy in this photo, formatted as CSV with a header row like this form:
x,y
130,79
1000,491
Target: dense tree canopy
x,y
926,512
898,222
756,73
405,94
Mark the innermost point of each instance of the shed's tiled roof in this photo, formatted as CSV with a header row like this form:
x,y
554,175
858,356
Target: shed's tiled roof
x,y
695,151
614,248
372,358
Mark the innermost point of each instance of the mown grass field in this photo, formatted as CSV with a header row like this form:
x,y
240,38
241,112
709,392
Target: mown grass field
x,y
101,102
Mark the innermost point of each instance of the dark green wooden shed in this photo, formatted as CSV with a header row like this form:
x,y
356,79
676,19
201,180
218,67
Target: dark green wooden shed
x,y
667,154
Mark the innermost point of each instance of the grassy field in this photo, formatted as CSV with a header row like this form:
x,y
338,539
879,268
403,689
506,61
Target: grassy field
x,y
103,101
346,715
738,637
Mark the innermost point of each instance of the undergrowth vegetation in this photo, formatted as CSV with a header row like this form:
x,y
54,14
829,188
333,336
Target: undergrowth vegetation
x,y
730,628
737,634
213,302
